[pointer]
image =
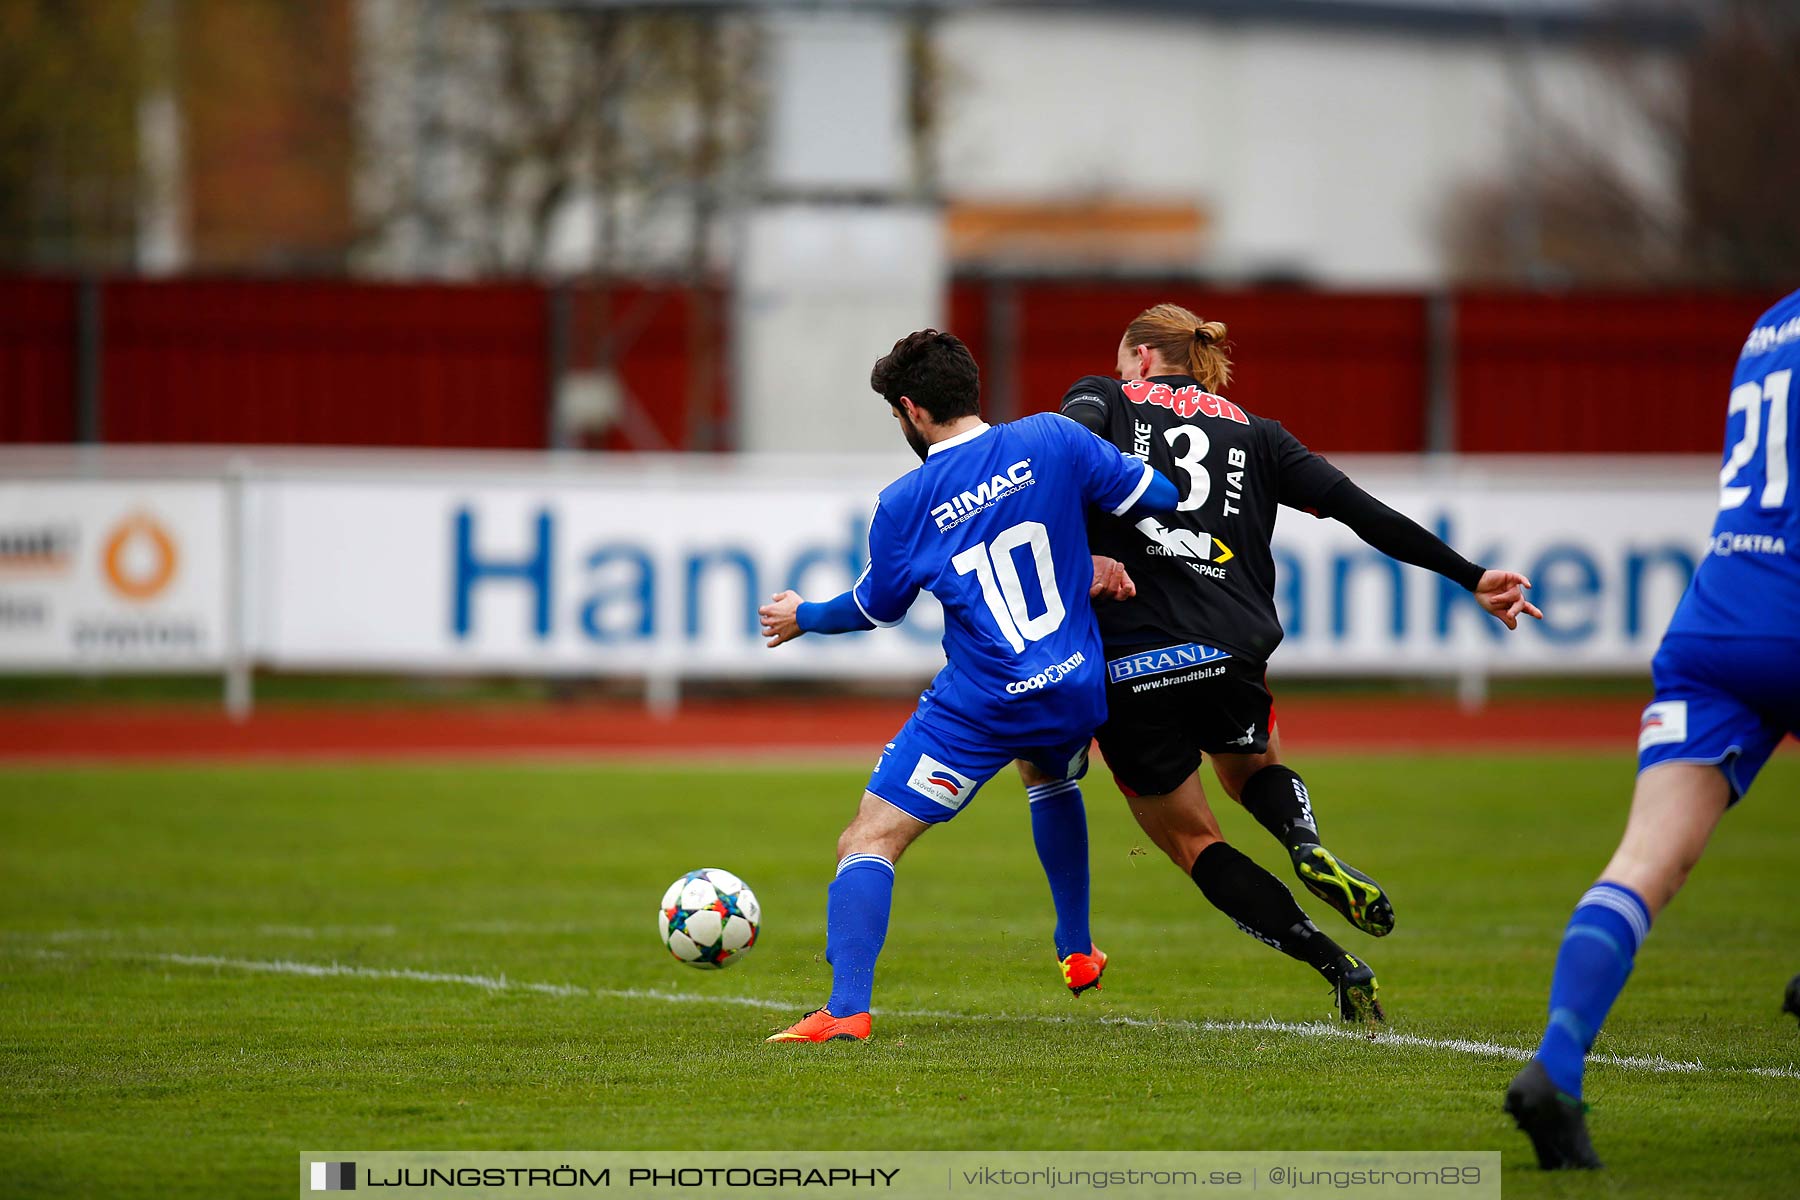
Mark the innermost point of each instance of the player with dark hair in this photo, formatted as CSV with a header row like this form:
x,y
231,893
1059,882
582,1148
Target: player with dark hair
x,y
1727,679
994,525
1187,656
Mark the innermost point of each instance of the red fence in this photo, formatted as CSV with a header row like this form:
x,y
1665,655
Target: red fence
x,y
335,363
436,365
324,363
37,361
1580,374
1348,372
1573,373
667,346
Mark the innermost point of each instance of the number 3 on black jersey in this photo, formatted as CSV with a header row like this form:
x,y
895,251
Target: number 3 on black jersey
x,y
1192,460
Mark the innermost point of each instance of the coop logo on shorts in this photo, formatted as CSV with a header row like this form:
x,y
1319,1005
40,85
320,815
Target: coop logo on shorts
x,y
334,1177
1664,724
139,558
939,784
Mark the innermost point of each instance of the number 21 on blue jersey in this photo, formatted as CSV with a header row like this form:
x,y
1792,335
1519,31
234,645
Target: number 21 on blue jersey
x,y
1749,398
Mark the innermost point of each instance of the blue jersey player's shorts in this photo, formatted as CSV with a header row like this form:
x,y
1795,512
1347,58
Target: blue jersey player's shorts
x,y
932,775
1721,701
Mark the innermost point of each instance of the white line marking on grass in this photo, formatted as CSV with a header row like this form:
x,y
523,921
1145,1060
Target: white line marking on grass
x,y
282,966
1312,1029
308,932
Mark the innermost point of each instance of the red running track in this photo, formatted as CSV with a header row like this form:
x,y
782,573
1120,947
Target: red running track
x,y
849,729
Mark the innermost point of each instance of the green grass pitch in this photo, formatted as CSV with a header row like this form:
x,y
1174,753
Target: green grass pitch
x,y
130,1063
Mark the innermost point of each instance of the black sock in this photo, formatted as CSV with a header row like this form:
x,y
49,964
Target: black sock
x,y
1277,798
1262,907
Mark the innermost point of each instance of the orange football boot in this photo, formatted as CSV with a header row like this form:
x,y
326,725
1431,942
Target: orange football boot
x,y
820,1026
1082,971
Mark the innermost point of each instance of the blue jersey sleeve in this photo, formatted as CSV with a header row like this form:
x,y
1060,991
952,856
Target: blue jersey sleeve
x,y
1160,497
1111,479
836,615
887,588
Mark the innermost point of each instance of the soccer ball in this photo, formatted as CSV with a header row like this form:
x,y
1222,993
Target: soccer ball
x,y
709,918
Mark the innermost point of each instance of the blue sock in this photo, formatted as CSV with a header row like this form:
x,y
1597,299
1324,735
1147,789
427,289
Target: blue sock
x,y
856,921
1059,827
1591,968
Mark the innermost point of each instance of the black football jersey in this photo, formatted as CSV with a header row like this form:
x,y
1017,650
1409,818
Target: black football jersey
x,y
1204,572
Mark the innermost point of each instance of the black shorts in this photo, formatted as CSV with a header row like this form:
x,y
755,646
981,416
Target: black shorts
x,y
1168,706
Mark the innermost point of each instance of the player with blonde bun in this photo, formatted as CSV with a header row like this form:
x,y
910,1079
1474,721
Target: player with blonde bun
x,y
1188,653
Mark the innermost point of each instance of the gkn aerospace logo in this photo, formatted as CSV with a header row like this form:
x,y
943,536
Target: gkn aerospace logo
x,y
957,509
1192,547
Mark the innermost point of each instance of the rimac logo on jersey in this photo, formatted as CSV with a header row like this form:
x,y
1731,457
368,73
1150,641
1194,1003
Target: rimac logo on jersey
x,y
1664,724
939,784
1186,402
1158,662
957,509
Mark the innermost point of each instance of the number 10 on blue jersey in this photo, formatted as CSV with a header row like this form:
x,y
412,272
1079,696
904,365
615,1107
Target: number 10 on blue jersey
x,y
993,567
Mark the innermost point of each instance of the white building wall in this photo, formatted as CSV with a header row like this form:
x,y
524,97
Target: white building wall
x,y
1320,151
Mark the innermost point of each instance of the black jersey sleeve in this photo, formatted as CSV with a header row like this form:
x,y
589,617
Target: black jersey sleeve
x,y
1395,534
1304,478
1088,402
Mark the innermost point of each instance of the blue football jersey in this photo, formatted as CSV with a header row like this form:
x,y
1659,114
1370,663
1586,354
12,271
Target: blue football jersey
x,y
1748,583
994,524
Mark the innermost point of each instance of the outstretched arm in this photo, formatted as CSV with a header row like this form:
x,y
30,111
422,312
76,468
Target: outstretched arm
x,y
880,597
1398,536
787,616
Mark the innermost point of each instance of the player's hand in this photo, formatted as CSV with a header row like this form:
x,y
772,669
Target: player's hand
x,y
1503,594
781,618
1111,580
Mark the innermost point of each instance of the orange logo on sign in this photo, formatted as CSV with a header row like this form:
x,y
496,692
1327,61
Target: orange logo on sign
x,y
140,557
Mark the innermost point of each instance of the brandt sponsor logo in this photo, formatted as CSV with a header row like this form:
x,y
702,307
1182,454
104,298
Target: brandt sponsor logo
x,y
1167,658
